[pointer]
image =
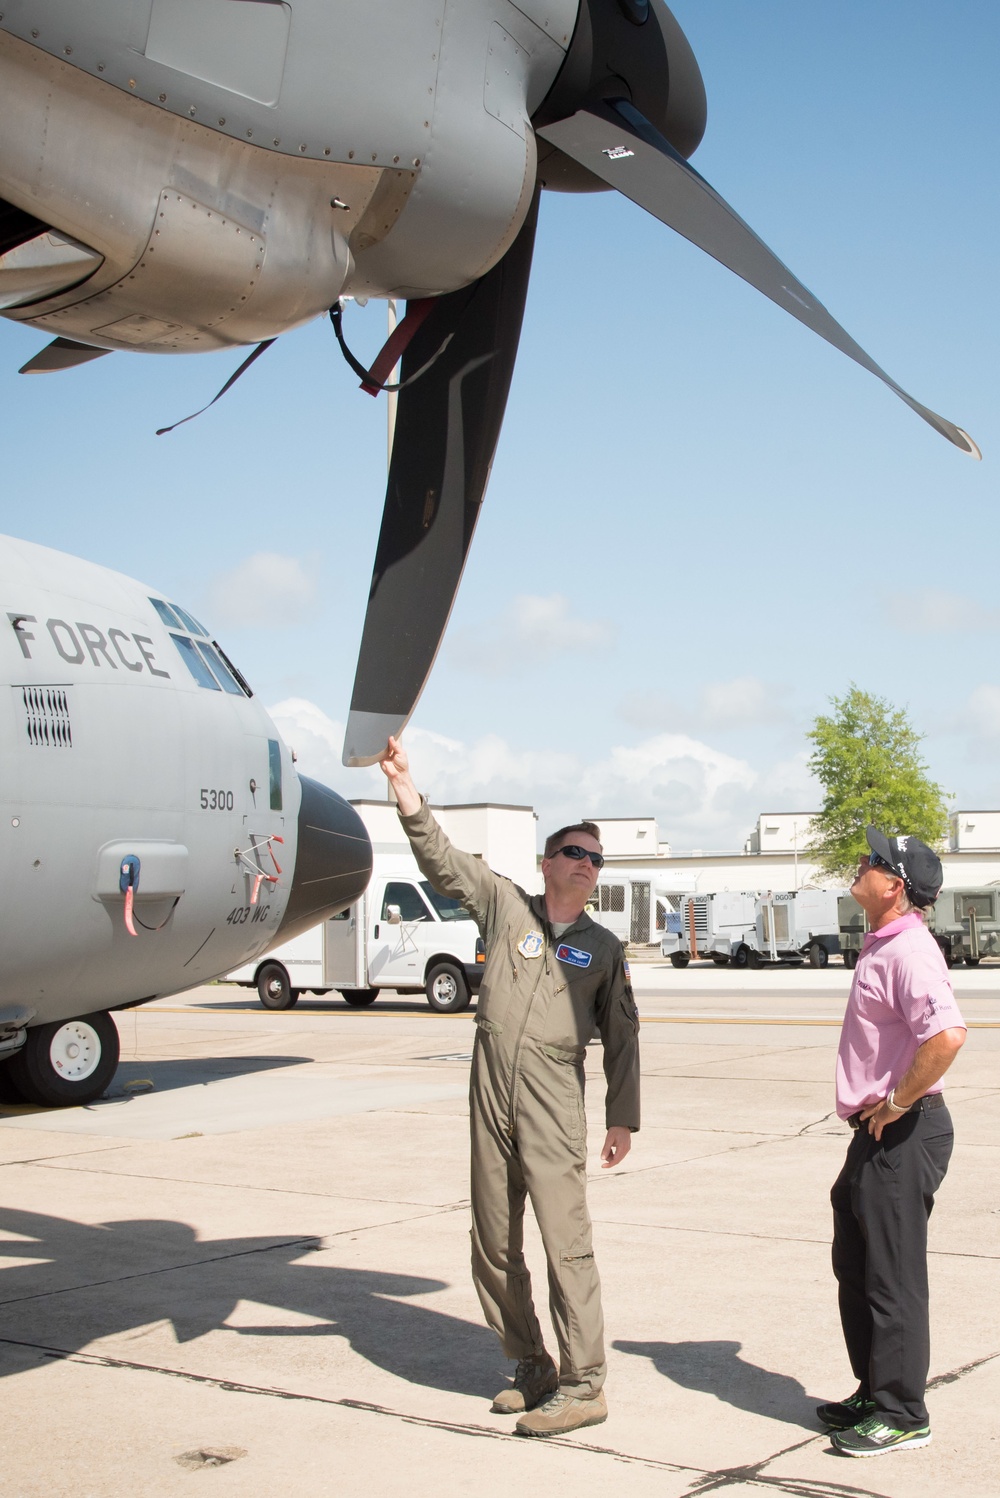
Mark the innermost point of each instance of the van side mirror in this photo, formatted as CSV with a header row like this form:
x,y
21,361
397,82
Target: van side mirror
x,y
392,915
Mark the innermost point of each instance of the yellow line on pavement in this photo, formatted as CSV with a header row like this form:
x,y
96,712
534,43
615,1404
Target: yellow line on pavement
x,y
647,1019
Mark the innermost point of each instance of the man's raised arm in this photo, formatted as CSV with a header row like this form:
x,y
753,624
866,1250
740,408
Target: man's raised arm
x,y
452,872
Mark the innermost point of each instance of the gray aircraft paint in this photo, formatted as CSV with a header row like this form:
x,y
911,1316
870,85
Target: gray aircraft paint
x,y
111,748
213,210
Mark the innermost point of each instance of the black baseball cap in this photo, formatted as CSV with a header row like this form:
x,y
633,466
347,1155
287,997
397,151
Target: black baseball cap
x,y
912,861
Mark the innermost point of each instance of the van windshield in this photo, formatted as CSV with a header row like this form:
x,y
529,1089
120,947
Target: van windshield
x,y
447,909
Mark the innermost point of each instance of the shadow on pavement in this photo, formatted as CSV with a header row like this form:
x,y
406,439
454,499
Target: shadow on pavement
x,y
717,1368
198,1071
108,1279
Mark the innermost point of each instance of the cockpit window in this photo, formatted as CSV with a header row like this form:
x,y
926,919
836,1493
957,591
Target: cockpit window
x,y
208,663
167,614
219,671
188,620
194,662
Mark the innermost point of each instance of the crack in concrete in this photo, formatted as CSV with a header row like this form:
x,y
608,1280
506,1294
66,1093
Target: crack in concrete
x,y
704,1480
333,1196
752,1474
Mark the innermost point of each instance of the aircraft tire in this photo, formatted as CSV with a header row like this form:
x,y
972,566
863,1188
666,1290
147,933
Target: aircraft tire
x,y
446,989
359,998
679,959
273,987
818,955
67,1063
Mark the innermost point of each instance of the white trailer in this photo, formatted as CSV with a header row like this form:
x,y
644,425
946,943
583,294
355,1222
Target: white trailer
x,y
636,908
718,925
400,935
792,925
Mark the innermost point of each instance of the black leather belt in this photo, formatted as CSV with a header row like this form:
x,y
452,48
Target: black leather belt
x,y
925,1104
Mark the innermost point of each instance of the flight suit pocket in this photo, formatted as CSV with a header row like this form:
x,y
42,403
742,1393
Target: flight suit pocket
x,y
569,1083
488,1025
570,1055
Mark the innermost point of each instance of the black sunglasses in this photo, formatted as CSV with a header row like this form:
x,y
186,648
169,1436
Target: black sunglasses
x,y
578,854
876,861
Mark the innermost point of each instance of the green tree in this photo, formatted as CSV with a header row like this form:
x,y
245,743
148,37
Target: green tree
x,y
866,756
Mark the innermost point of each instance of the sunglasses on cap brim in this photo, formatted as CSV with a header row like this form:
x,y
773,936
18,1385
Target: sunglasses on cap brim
x,y
578,854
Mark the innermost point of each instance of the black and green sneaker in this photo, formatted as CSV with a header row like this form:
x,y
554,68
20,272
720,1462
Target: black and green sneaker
x,y
844,1414
873,1437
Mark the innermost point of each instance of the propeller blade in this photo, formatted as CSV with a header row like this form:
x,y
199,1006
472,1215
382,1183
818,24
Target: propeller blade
x,y
447,425
619,145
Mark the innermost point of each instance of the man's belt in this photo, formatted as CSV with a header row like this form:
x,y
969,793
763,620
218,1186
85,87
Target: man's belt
x,y
925,1104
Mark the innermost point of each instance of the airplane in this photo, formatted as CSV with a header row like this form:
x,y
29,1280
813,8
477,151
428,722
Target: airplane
x,y
185,175
153,828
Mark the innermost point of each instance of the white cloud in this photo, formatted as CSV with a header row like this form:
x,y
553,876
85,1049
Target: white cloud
x,y
933,611
701,796
530,627
744,702
265,589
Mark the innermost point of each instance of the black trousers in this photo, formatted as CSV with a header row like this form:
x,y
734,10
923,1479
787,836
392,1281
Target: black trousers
x,y
881,1202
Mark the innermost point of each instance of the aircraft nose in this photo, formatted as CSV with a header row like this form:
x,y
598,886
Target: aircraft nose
x,y
333,860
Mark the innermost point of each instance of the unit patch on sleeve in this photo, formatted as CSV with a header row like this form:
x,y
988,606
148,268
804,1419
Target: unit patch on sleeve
x,y
574,956
531,944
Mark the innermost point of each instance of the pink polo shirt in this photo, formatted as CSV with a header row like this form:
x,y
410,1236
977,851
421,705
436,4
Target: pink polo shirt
x,y
900,997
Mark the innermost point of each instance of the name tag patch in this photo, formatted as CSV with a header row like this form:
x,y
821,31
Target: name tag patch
x,y
531,944
574,956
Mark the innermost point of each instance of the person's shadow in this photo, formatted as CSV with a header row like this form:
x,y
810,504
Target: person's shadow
x,y
717,1368
79,1282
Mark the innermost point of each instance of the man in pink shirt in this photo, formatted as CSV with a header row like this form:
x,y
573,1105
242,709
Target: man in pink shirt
x,y
902,1030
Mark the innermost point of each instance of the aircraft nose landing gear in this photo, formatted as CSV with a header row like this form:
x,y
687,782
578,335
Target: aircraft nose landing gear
x,y
68,1063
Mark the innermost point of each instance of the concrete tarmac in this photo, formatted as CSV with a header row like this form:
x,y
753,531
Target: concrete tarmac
x,y
245,1271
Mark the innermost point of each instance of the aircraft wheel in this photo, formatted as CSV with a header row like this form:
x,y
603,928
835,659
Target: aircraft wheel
x,y
273,987
359,998
679,959
740,957
67,1063
818,955
754,959
446,988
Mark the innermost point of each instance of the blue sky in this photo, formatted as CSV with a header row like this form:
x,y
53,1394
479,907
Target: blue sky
x,y
702,521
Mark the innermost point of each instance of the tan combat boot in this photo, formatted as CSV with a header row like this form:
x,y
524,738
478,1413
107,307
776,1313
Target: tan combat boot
x,y
536,1379
563,1413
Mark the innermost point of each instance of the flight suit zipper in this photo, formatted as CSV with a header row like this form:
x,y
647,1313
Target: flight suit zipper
x,y
543,968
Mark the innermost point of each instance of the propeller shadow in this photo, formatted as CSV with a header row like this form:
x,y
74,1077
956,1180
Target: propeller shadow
x,y
83,1282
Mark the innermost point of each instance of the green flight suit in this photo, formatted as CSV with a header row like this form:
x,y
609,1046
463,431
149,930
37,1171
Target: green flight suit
x,y
535,1014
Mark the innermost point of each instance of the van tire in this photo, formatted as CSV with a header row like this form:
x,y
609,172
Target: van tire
x,y
741,956
274,988
446,989
679,959
68,1062
359,998
818,955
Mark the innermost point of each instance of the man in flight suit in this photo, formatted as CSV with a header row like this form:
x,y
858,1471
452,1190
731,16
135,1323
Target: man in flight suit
x,y
553,978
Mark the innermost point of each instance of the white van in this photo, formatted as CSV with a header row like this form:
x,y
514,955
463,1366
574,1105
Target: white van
x,y
400,935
